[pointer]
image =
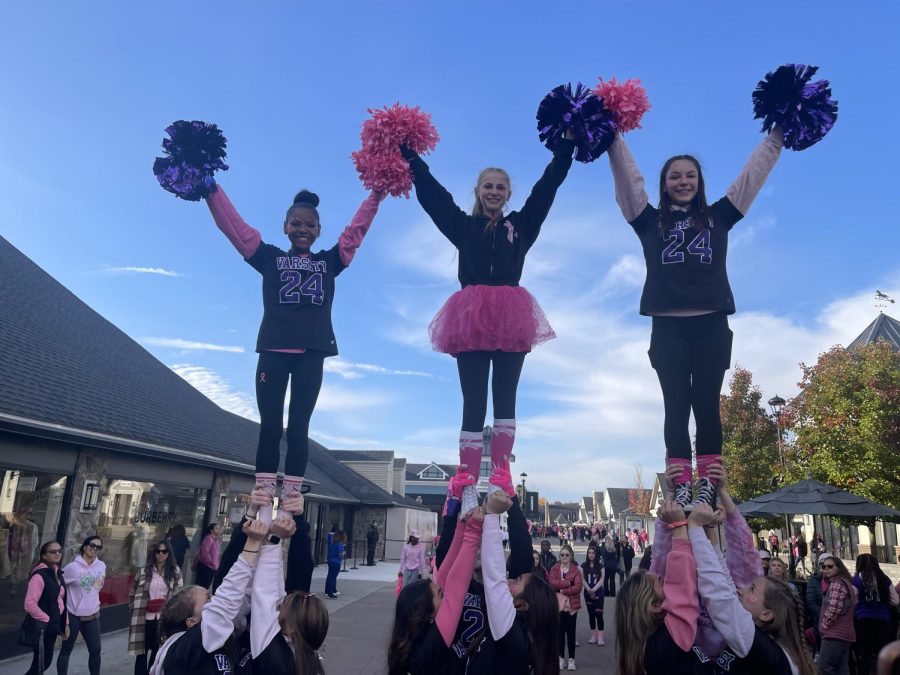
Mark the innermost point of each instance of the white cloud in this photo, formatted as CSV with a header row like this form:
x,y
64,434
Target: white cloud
x,y
351,370
178,343
346,442
339,399
140,270
218,390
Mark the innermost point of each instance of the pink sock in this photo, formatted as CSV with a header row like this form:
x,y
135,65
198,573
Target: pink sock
x,y
290,487
703,462
685,476
471,445
266,481
502,439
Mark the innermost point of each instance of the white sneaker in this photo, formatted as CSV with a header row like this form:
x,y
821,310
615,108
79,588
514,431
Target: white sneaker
x,y
577,643
600,641
592,641
469,499
562,663
571,664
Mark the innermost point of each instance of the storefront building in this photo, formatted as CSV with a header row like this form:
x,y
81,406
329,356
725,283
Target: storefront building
x,y
97,437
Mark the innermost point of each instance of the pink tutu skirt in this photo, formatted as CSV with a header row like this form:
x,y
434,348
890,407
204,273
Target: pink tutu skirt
x,y
489,318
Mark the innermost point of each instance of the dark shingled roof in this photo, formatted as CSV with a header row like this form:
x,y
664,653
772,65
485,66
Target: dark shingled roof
x,y
618,498
69,373
882,328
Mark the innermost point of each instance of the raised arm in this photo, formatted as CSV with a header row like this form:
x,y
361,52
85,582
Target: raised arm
x,y
450,554
741,556
630,193
681,604
220,613
717,589
268,589
520,549
243,237
458,578
500,609
434,198
537,206
752,177
353,234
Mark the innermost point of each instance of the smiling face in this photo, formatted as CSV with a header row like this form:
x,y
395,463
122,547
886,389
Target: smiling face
x,y
92,549
302,228
492,192
682,181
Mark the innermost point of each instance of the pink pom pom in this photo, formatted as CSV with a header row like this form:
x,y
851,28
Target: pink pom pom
x,y
627,101
380,165
384,172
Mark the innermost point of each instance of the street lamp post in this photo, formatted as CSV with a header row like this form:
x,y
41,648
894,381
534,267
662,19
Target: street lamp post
x,y
523,476
776,403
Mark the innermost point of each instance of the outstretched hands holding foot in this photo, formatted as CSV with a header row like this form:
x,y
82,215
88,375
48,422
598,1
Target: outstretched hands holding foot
x,y
294,505
497,503
258,498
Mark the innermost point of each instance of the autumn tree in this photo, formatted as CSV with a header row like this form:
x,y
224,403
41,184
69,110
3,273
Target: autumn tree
x,y
846,422
638,496
749,444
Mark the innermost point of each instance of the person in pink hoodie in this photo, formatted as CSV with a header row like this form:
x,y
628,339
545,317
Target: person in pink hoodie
x,y
207,561
656,617
45,603
84,576
296,335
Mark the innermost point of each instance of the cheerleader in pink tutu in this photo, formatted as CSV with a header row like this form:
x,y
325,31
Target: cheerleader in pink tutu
x,y
492,320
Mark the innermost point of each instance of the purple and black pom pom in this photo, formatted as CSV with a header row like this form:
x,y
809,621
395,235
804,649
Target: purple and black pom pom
x,y
592,124
196,150
803,109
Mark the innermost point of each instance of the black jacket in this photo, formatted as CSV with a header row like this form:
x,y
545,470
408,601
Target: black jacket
x,y
490,256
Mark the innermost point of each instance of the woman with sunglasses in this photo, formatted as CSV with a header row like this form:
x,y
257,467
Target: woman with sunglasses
x,y
836,618
45,603
84,578
158,581
566,580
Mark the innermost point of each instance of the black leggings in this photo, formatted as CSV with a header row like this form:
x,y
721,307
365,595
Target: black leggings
x,y
91,632
143,662
46,645
567,633
595,609
690,355
609,580
272,373
474,368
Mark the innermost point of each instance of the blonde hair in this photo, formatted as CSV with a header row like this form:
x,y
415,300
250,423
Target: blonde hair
x,y
476,208
786,626
635,622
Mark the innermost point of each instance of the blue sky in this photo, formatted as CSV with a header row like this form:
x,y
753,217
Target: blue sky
x,y
86,93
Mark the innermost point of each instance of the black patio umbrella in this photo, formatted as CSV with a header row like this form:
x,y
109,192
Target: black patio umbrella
x,y
810,497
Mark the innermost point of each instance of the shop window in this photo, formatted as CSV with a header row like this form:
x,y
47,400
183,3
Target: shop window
x,y
30,508
133,516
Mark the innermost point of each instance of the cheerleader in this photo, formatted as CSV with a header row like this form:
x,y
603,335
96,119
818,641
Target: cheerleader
x,y
686,292
296,334
427,615
761,622
492,321
524,622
